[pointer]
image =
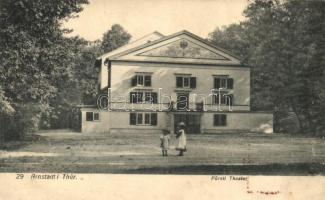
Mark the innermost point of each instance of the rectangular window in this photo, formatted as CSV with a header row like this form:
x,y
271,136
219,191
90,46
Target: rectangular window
x,y
223,98
185,82
223,82
220,120
89,116
92,116
143,119
140,97
96,116
141,80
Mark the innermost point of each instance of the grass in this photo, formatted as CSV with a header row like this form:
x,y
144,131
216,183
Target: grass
x,y
245,153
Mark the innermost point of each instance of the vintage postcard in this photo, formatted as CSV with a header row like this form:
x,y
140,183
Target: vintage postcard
x,y
162,99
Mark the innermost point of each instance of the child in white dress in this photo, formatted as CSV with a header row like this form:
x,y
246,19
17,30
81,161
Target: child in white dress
x,y
164,142
181,139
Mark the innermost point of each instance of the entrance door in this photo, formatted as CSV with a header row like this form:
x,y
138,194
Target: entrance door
x,y
192,122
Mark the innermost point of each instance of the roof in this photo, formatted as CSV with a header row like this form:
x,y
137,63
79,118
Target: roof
x,y
156,40
143,40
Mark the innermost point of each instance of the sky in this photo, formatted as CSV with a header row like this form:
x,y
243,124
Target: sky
x,y
142,17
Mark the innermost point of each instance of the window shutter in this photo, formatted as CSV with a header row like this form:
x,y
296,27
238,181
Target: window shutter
x,y
134,80
216,98
153,119
216,83
193,82
154,96
223,99
230,83
230,99
147,81
179,82
89,116
147,97
96,116
146,118
139,97
139,118
133,119
216,120
133,97
223,120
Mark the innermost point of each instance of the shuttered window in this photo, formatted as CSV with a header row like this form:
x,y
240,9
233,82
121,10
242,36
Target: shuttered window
x,y
223,82
141,80
143,119
136,97
139,97
185,82
224,99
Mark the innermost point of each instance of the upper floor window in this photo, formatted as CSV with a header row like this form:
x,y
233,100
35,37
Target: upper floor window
x,y
142,80
223,98
140,97
185,82
223,82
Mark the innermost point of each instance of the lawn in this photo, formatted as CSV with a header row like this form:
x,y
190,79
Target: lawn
x,y
64,151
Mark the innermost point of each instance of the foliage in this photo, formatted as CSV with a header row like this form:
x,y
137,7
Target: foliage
x,y
284,45
114,38
33,59
80,87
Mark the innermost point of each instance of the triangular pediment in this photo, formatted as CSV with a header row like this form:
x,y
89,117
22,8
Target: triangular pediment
x,y
183,48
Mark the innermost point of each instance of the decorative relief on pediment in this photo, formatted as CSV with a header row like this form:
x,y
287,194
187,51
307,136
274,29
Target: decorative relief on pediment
x,y
183,49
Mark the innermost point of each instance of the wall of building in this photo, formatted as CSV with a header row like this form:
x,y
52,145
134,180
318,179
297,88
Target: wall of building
x,y
101,126
164,77
119,121
250,121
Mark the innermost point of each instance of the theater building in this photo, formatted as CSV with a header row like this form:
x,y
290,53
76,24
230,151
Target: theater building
x,y
156,82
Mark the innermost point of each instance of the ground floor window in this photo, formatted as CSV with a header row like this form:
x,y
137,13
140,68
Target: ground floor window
x,y
220,120
92,116
138,118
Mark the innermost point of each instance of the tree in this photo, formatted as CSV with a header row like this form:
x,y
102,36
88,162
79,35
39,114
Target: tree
x,y
114,38
232,38
286,54
33,59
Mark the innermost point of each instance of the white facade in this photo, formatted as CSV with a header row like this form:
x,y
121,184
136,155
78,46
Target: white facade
x,y
181,70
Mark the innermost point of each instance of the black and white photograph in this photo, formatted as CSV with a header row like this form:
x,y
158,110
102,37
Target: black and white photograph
x,y
218,88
